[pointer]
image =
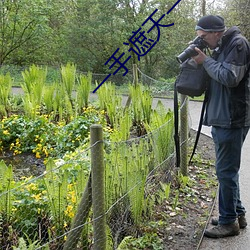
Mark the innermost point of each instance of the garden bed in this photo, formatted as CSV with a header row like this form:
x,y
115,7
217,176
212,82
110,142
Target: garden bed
x,y
178,222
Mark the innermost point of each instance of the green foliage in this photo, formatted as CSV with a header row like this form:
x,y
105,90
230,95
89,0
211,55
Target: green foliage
x,y
57,188
126,172
68,74
111,103
6,184
43,32
164,191
123,124
83,91
23,25
128,161
33,85
48,98
29,245
5,90
43,137
30,206
141,104
161,126
147,241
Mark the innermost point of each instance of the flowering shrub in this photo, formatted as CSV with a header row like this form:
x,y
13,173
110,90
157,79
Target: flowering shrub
x,y
45,138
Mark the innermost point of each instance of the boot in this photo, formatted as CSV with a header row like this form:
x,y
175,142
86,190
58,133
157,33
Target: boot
x,y
221,231
241,219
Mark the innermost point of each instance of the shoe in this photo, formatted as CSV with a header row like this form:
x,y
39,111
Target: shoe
x,y
221,231
241,219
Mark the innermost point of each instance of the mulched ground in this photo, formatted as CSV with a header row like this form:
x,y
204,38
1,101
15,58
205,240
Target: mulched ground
x,y
186,223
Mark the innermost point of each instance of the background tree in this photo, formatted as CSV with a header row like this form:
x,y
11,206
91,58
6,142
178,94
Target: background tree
x,y
87,32
21,26
237,12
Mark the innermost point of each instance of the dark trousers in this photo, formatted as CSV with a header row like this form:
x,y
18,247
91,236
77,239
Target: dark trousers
x,y
228,145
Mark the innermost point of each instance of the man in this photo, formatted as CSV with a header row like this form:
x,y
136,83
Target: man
x,y
228,112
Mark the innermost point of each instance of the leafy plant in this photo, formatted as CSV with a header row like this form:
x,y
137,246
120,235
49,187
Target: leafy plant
x,y
22,245
6,184
111,103
5,90
34,81
161,126
30,208
83,91
48,98
68,74
164,191
141,104
147,241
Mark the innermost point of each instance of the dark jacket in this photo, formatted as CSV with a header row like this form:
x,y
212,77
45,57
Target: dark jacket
x,y
229,90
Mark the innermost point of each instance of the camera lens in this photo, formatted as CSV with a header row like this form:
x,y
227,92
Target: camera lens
x,y
187,53
190,51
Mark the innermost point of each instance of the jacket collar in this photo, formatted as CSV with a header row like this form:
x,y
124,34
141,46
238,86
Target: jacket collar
x,y
231,32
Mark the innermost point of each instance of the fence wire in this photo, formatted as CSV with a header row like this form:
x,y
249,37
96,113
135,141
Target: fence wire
x,y
43,210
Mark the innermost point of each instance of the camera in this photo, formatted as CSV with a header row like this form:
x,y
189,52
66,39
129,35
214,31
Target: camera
x,y
190,51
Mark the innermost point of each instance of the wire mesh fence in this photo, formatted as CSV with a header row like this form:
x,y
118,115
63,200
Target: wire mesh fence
x,y
46,210
56,209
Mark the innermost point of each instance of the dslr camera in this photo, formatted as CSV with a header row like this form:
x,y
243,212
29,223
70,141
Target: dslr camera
x,y
190,51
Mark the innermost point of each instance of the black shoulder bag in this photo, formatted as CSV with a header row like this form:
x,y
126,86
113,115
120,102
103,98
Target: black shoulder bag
x,y
192,80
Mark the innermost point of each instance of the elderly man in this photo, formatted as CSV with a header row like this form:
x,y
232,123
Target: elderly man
x,y
228,112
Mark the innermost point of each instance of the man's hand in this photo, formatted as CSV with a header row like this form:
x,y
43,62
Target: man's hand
x,y
200,58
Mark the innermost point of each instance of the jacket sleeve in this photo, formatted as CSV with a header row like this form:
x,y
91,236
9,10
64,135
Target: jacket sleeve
x,y
234,66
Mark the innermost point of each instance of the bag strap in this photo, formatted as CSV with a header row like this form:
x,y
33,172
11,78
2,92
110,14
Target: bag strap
x,y
176,126
199,127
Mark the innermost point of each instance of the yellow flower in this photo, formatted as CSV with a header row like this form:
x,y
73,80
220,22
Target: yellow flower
x,y
73,199
17,152
103,112
45,151
6,132
31,187
38,156
37,196
69,211
14,209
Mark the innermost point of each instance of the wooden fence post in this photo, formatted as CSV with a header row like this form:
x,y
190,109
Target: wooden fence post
x,y
98,195
80,218
135,74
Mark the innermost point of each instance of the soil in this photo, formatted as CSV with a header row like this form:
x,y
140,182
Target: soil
x,y
25,164
186,223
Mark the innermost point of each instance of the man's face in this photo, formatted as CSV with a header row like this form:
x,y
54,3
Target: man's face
x,y
211,38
